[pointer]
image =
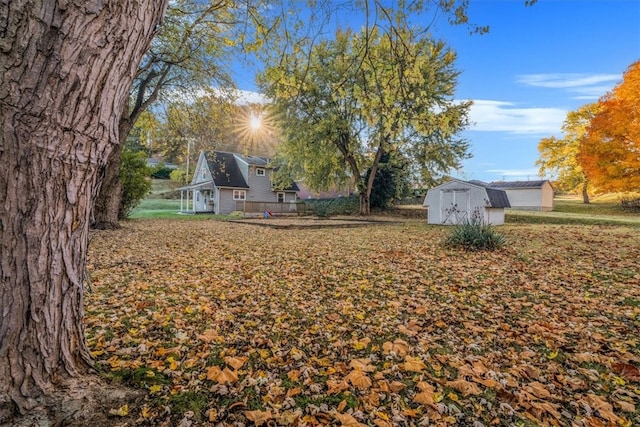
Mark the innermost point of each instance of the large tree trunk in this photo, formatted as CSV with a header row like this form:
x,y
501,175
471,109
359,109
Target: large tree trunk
x,y
66,68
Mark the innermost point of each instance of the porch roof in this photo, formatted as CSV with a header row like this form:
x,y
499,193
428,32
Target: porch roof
x,y
208,185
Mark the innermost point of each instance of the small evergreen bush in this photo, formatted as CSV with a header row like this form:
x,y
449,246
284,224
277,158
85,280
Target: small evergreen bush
x,y
472,235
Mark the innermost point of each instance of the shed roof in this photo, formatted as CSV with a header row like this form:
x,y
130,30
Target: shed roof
x,y
518,184
497,197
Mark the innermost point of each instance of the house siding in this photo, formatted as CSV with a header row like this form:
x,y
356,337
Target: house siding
x,y
260,186
226,204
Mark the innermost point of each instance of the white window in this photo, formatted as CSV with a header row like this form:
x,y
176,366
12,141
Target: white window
x,y
239,195
280,196
260,172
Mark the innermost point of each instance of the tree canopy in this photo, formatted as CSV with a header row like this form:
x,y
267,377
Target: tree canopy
x,y
349,100
610,150
559,156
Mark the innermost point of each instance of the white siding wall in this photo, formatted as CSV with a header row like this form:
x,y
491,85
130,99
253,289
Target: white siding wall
x,y
494,216
467,197
525,198
201,166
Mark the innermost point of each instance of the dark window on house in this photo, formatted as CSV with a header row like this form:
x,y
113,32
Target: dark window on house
x,y
280,196
260,172
239,195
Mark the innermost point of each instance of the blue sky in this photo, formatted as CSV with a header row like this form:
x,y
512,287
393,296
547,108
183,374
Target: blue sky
x,y
534,65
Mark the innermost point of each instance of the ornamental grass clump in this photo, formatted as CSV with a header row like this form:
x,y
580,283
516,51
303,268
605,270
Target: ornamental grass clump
x,y
474,235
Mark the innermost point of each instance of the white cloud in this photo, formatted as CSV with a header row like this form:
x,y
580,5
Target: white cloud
x,y
585,86
500,116
249,97
567,80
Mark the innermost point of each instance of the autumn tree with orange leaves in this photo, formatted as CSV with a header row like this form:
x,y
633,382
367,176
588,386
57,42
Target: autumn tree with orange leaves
x,y
610,150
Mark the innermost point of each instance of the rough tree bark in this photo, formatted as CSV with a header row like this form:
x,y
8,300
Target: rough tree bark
x,y
65,72
106,210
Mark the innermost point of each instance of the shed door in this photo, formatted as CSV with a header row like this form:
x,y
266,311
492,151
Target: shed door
x,y
455,205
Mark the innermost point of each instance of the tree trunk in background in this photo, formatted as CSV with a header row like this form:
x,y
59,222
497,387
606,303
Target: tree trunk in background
x,y
66,69
107,203
585,192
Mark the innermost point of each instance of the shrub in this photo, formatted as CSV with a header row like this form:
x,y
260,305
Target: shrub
x,y
135,184
473,235
336,206
161,171
631,204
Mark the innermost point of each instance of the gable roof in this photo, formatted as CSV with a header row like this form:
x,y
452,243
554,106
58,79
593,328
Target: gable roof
x,y
518,184
253,160
224,170
497,198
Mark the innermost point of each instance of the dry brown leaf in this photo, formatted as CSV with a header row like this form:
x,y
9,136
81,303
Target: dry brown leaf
x,y
464,387
347,420
399,347
336,386
424,398
213,372
625,406
414,364
548,407
600,404
208,336
359,380
227,376
258,417
397,386
235,362
538,390
362,365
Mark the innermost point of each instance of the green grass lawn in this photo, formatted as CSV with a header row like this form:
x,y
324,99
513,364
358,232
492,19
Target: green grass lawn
x,y
570,210
604,210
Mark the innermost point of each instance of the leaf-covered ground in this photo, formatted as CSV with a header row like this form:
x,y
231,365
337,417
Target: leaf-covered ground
x,y
232,324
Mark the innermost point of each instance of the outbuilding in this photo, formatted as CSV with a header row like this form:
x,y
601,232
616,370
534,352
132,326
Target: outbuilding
x,y
534,195
457,201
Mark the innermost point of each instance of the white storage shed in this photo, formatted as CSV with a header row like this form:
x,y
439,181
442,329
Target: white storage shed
x,y
458,201
528,195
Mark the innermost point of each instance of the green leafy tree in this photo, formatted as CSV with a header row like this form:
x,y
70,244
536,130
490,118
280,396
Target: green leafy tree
x,y
391,181
136,185
351,99
559,156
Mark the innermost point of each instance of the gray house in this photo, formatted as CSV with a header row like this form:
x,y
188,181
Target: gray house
x,y
458,201
226,182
